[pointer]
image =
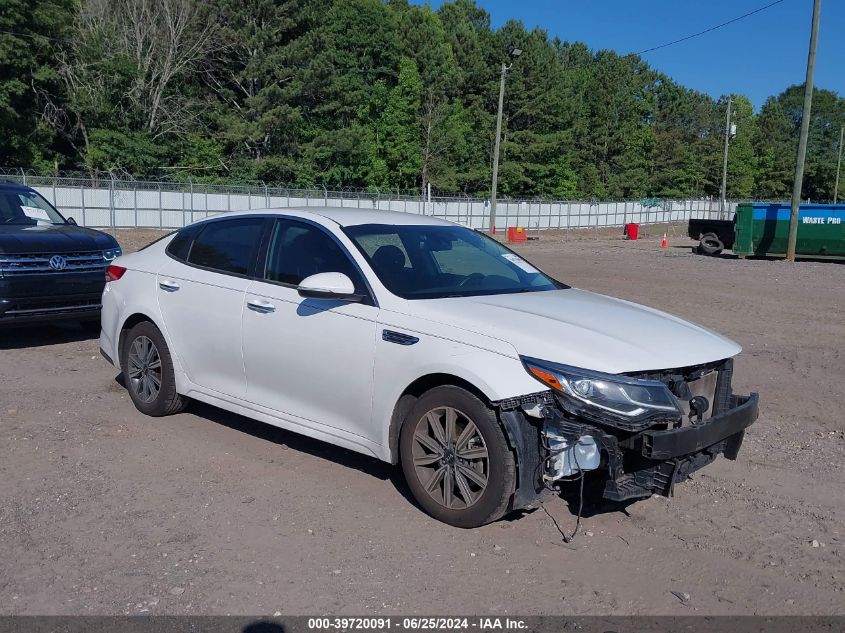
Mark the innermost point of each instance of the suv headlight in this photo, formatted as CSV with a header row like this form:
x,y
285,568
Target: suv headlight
x,y
597,395
112,253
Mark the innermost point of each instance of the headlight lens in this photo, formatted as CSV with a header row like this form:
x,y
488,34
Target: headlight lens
x,y
112,253
603,395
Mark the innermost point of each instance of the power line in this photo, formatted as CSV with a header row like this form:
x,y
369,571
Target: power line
x,y
712,28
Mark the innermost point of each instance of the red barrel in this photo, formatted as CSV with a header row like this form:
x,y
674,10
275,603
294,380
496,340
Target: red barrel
x,y
632,231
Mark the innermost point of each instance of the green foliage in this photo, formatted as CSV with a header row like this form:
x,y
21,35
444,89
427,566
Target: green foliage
x,y
255,116
376,93
742,164
776,143
30,35
398,136
124,152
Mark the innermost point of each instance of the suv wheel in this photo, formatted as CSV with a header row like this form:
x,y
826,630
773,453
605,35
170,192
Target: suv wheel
x,y
148,372
455,458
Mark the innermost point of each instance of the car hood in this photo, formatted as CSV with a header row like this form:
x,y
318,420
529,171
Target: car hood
x,y
61,238
584,329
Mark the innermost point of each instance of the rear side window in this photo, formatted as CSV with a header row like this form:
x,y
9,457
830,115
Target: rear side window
x,y
181,243
228,246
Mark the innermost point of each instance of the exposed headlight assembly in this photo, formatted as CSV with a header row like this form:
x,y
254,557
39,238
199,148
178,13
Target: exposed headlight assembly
x,y
629,402
112,253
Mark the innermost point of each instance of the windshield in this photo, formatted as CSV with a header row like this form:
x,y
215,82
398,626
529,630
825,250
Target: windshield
x,y
27,208
430,262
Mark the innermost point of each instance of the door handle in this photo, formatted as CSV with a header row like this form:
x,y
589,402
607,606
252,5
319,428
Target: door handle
x,y
168,286
261,306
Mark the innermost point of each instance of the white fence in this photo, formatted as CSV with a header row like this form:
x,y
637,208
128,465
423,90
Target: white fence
x,y
119,204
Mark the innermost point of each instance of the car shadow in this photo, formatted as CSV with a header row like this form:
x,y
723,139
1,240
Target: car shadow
x,y
38,335
594,504
294,441
373,467
569,493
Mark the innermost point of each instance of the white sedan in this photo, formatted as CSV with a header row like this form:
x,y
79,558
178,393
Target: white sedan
x,y
424,343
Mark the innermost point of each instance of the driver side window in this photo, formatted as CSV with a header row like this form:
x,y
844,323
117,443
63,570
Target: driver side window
x,y
298,250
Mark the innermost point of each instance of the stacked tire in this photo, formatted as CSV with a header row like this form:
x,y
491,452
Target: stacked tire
x,y
710,244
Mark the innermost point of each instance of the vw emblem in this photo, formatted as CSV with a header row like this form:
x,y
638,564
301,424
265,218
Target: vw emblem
x,y
57,262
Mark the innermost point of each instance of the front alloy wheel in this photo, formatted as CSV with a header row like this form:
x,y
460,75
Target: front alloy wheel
x,y
450,457
456,460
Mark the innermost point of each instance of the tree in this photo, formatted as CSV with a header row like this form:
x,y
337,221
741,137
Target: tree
x,y
536,141
398,139
777,140
32,33
470,37
125,76
742,164
689,140
376,93
257,116
347,64
423,39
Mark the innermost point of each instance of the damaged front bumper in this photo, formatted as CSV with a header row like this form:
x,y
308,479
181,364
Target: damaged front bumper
x,y
630,464
656,460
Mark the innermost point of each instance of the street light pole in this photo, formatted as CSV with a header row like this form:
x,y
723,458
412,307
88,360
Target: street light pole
x,y
505,67
496,151
838,164
805,129
722,203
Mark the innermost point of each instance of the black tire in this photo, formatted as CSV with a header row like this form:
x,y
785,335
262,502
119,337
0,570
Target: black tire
x,y
165,401
710,244
489,502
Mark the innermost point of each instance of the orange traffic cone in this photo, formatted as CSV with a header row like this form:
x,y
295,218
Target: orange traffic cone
x,y
663,243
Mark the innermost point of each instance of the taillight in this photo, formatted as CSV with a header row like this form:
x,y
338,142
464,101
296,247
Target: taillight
x,y
113,273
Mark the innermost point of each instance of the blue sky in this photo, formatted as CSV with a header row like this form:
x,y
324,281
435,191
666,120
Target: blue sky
x,y
758,56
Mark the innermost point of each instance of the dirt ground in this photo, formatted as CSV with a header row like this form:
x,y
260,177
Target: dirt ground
x,y
105,511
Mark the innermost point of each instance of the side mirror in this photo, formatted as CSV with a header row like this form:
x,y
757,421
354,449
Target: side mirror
x,y
70,220
329,286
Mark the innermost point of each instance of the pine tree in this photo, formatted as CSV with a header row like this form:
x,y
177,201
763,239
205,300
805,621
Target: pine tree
x,y
398,138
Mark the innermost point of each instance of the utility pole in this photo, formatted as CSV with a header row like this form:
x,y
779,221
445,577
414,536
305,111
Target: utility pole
x,y
722,202
805,128
838,164
496,151
505,67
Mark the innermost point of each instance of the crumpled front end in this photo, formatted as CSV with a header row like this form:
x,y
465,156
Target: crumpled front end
x,y
629,457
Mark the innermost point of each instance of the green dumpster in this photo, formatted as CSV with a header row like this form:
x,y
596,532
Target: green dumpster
x,y
763,229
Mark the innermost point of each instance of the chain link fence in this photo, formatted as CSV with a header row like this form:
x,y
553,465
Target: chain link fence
x,y
118,203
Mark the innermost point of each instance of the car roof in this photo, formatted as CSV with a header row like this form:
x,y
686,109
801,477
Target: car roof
x,y
345,216
14,186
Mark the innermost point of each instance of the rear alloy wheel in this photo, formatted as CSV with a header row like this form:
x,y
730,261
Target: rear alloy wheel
x,y
148,372
144,369
455,458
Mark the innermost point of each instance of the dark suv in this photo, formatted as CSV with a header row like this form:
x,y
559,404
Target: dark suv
x,y
50,268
